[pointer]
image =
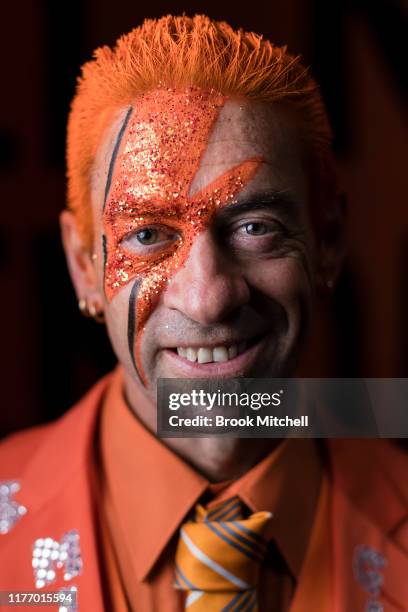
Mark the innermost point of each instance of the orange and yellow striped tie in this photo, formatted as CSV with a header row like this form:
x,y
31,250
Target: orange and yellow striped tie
x,y
219,556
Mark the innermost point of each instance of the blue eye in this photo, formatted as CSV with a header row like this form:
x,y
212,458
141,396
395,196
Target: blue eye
x,y
255,229
150,238
147,236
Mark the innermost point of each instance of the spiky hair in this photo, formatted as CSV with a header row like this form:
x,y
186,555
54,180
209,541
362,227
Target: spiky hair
x,y
177,52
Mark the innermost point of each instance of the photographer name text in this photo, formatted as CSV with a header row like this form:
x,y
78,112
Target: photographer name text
x,y
247,421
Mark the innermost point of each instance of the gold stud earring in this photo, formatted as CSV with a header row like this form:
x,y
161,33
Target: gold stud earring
x,y
83,307
90,311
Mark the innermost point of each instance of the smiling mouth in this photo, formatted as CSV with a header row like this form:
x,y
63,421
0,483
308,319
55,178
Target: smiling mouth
x,y
214,354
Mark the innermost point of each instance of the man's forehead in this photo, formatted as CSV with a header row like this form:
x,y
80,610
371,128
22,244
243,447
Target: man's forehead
x,y
245,129
241,128
161,137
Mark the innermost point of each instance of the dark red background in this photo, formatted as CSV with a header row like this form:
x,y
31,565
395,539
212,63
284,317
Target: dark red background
x,y
357,49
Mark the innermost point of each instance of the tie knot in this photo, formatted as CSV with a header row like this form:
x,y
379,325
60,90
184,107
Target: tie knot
x,y
221,551
231,509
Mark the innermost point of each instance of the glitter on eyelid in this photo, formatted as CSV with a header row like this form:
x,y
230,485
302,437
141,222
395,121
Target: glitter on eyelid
x,y
164,142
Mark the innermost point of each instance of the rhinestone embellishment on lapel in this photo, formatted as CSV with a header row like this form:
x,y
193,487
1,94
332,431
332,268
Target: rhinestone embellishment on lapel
x,y
49,555
366,564
10,510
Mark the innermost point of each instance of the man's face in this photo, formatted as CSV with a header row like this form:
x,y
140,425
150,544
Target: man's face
x,y
203,241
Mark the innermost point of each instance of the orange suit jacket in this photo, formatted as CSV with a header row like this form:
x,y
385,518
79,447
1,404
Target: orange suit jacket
x,y
368,516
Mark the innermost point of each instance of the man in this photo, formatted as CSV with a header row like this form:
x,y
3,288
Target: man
x,y
204,226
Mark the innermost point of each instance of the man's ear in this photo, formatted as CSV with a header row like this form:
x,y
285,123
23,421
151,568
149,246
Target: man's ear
x,y
332,244
81,265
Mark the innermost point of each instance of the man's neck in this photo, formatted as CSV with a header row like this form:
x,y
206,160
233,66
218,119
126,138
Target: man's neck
x,y
216,458
219,458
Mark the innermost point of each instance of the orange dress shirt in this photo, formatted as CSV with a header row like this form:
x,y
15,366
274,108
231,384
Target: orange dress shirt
x,y
147,491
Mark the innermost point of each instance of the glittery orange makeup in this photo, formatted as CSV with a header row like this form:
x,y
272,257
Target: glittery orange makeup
x,y
164,138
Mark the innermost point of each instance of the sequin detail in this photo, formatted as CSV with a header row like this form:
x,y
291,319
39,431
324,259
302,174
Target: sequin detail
x,y
50,555
366,564
160,154
10,510
374,606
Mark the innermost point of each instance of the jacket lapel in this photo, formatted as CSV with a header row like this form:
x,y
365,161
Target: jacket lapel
x,y
370,565
358,548
58,490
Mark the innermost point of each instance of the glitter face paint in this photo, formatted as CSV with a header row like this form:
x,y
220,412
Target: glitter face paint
x,y
163,141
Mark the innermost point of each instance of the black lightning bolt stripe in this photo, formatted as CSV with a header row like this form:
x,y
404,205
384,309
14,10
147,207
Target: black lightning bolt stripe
x,y
104,251
105,259
132,322
115,154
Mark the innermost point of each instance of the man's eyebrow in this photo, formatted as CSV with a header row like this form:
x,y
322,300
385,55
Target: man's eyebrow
x,y
279,201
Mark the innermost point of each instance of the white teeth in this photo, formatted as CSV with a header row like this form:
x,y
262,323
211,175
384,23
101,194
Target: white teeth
x,y
205,355
220,353
232,351
191,354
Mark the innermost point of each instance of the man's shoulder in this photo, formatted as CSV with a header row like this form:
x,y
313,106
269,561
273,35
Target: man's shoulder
x,y
18,449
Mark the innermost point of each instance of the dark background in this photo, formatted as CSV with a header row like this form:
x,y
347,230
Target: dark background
x,y
358,51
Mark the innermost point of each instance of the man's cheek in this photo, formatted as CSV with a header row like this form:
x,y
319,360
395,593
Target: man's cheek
x,y
122,319
281,279
143,297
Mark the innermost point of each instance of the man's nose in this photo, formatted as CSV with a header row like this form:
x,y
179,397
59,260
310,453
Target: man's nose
x,y
209,287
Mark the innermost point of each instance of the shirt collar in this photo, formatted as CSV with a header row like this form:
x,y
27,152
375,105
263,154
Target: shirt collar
x,y
150,489
286,483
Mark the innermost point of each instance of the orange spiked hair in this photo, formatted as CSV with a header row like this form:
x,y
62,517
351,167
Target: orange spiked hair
x,y
182,51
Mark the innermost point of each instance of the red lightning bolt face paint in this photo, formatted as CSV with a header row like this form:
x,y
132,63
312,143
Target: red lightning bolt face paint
x,y
164,141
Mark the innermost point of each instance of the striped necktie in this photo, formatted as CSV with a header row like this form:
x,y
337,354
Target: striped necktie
x,y
218,558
